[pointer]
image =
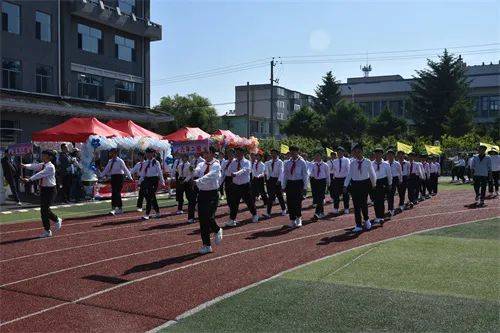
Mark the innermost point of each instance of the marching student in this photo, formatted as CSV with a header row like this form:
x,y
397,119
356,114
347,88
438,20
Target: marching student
x,y
221,157
151,176
274,177
361,179
116,170
403,185
183,173
320,180
426,171
46,174
295,178
333,157
258,177
384,182
481,172
240,169
226,177
397,179
340,170
198,158
414,175
136,171
207,175
495,172
435,172
460,165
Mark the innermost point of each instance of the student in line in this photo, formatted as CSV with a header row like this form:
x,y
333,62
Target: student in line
x,y
295,181
116,170
320,180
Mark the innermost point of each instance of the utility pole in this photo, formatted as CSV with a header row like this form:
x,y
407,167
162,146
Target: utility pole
x,y
271,124
248,109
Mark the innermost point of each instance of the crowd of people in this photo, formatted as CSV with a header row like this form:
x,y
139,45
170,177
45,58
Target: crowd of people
x,y
390,180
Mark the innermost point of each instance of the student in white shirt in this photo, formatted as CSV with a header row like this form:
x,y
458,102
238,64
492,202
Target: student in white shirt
x,y
333,157
116,170
320,180
46,174
340,170
136,171
226,177
295,179
495,172
434,173
424,183
274,176
384,182
397,178
151,177
207,181
361,179
184,174
413,179
240,169
258,178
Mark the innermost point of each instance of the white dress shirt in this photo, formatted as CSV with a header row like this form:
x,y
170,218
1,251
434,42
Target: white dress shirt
x,y
208,179
435,168
426,167
258,169
45,171
330,166
137,168
116,166
495,162
460,163
197,161
383,170
184,170
274,169
405,167
340,167
414,169
152,168
299,172
241,176
361,170
396,170
320,170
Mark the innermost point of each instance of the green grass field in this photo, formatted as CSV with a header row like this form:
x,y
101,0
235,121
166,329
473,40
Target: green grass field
x,y
446,280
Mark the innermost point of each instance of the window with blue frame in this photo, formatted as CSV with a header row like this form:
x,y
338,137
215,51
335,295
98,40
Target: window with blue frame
x,y
11,18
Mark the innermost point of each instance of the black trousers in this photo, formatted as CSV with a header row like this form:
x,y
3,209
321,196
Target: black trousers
x,y
140,196
274,190
379,193
433,180
228,183
493,182
391,192
258,189
239,192
192,197
207,206
318,188
180,188
151,184
338,190
116,190
480,183
461,173
423,186
294,190
402,190
47,195
13,187
359,193
67,179
413,187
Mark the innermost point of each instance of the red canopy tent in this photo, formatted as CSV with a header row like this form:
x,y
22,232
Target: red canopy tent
x,y
132,129
77,130
187,134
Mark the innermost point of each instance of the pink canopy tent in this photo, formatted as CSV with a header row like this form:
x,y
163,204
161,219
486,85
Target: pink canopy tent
x,y
77,130
187,134
132,129
227,134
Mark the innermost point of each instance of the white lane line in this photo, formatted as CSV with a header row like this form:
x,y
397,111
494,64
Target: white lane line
x,y
207,304
7,212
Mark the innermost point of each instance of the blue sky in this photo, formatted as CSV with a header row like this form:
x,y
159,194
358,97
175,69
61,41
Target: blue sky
x,y
202,35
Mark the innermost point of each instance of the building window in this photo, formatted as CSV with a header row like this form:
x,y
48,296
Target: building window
x,y
280,104
396,107
296,95
11,18
43,79
90,87
280,116
127,6
90,39
377,108
11,74
280,91
124,92
254,126
124,48
490,105
296,107
42,22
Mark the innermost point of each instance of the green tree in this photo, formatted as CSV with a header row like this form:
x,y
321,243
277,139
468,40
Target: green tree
x,y
191,110
328,94
345,123
305,122
387,124
434,91
460,118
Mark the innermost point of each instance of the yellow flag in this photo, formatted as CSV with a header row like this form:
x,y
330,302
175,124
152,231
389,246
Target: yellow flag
x,y
433,150
284,149
328,151
404,147
489,147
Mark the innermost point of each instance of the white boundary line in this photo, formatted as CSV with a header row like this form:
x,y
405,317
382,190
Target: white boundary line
x,y
239,291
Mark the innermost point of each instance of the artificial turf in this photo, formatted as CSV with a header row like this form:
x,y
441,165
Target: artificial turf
x,y
440,281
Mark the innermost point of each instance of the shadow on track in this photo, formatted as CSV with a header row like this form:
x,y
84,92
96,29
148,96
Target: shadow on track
x,y
161,263
20,240
345,237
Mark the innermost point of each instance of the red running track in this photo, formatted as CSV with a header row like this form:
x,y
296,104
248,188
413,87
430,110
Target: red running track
x,y
116,274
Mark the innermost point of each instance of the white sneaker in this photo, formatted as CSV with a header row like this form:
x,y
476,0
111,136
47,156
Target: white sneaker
x,y
255,218
319,215
46,233
357,229
218,237
266,216
298,222
113,212
368,225
231,223
283,212
58,224
145,217
179,212
19,203
392,212
190,221
139,209
346,211
402,207
205,250
335,211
